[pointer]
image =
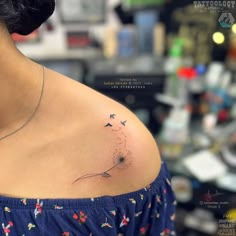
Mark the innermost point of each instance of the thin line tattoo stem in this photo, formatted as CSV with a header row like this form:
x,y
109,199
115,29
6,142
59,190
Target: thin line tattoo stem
x,y
120,161
104,174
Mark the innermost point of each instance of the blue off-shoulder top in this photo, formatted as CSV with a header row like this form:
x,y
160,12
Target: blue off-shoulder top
x,y
148,211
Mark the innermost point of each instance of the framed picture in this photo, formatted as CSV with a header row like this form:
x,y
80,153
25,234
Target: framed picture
x,y
78,39
82,11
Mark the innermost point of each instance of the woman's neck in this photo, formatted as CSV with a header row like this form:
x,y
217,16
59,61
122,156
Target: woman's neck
x,y
20,84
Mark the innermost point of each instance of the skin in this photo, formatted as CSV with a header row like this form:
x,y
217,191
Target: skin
x,y
67,137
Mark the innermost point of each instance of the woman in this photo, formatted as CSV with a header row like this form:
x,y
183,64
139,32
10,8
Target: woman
x,y
72,161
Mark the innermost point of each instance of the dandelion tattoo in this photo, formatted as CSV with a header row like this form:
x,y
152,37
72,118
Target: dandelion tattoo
x,y
122,157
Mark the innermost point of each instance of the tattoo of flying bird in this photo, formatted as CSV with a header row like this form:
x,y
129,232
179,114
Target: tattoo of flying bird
x,y
123,122
112,116
108,125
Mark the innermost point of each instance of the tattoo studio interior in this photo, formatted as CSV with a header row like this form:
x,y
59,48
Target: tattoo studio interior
x,y
172,63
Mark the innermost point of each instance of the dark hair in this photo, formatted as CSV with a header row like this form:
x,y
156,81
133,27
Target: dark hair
x,y
24,16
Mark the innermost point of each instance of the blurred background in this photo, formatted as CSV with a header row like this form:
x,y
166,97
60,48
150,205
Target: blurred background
x,y
173,63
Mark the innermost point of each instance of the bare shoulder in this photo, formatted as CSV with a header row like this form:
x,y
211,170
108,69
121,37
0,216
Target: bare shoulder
x,y
117,152
128,153
82,134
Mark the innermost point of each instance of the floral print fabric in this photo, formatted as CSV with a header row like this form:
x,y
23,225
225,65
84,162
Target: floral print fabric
x,y
149,211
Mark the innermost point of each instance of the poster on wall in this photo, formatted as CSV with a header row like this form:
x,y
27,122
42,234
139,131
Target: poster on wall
x,y
82,11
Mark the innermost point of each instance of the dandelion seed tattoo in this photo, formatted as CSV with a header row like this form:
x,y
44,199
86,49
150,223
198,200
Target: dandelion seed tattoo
x,y
122,157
